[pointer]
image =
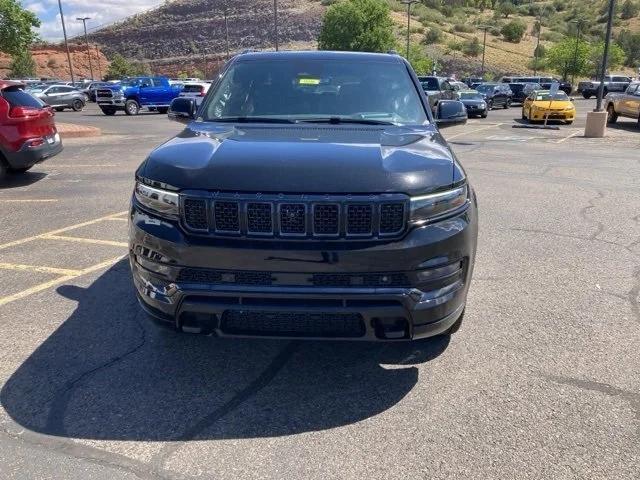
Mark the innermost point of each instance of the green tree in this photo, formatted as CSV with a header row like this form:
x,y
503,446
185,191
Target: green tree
x,y
360,25
629,10
120,67
420,62
16,27
630,43
513,31
505,9
568,57
23,65
594,59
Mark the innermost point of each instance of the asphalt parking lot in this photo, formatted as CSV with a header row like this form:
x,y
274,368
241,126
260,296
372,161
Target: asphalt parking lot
x,y
542,381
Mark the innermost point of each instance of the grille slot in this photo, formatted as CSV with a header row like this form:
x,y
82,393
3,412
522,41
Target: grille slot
x,y
226,215
195,214
293,324
362,280
259,218
293,219
359,219
391,218
326,219
211,276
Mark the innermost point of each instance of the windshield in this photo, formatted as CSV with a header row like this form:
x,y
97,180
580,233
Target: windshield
x,y
314,89
485,88
561,96
430,84
470,96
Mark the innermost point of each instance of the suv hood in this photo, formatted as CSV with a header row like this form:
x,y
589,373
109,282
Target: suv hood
x,y
303,159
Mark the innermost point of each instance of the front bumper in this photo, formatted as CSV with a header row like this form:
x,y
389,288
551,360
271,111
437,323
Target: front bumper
x,y
553,115
27,156
244,288
111,102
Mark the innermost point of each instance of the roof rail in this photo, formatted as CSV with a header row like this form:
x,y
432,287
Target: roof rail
x,y
248,50
393,52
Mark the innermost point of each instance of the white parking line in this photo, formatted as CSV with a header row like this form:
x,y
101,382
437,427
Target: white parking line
x,y
569,136
94,241
38,269
472,131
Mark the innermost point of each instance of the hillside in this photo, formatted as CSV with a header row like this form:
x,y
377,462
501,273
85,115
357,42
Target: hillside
x,y
189,35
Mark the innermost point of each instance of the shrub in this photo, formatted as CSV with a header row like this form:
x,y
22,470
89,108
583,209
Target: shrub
x,y
513,31
455,46
461,27
472,48
551,36
433,35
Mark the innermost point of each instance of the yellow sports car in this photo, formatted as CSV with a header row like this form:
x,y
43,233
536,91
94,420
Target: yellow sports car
x,y
539,105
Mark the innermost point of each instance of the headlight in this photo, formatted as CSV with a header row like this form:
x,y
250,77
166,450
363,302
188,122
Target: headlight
x,y
158,201
429,207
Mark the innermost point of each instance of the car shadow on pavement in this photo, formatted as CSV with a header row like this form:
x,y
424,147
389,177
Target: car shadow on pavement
x,y
107,373
17,180
627,126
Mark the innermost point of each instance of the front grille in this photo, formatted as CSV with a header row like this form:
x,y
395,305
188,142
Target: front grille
x,y
322,216
104,93
211,276
293,324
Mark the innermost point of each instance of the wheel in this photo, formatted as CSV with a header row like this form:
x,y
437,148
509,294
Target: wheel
x,y
59,109
86,98
612,116
131,107
77,105
524,117
483,115
456,326
108,110
507,104
163,110
490,105
586,95
3,169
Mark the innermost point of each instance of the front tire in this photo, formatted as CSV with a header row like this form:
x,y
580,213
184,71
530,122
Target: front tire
x,y
524,117
77,105
483,115
109,111
490,105
586,95
507,104
20,170
612,116
59,109
131,107
163,110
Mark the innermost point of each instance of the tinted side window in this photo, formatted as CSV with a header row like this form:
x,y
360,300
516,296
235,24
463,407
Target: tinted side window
x,y
19,98
620,79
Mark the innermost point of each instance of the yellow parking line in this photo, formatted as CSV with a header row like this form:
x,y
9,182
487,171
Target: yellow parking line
x,y
52,283
28,200
38,268
472,131
85,240
60,230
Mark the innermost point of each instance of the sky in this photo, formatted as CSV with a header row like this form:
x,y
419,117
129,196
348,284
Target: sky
x,y
100,11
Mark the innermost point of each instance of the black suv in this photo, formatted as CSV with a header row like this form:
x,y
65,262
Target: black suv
x,y
311,195
496,94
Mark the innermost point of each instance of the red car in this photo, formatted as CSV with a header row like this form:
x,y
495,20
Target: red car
x,y
28,133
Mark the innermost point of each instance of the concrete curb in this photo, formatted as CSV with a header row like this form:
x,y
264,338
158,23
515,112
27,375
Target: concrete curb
x,y
71,130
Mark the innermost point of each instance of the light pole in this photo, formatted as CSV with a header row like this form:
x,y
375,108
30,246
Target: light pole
x,y
66,44
99,67
575,53
275,22
484,46
86,39
408,3
605,56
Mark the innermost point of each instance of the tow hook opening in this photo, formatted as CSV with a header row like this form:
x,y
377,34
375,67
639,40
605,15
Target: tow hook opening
x,y
391,328
197,323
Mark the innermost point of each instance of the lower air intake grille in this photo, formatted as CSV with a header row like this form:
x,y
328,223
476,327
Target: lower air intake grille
x,y
195,214
293,324
204,275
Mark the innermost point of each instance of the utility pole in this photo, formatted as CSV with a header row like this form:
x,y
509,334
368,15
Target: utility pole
x,y
275,22
535,53
484,46
605,56
408,3
66,43
99,67
226,31
86,39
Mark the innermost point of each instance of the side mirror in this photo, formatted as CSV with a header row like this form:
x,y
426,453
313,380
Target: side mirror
x,y
451,112
182,110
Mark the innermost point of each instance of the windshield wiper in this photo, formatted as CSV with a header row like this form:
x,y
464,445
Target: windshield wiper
x,y
339,120
251,120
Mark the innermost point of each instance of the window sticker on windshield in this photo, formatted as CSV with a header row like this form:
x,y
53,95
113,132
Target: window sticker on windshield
x,y
308,81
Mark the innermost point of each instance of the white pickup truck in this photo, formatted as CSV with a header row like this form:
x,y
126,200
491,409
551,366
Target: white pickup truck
x,y
612,83
625,104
